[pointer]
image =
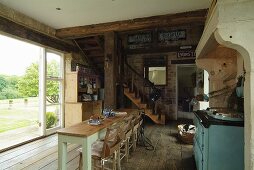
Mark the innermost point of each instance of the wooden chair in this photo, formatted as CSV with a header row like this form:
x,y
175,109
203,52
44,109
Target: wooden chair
x,y
104,150
136,125
126,127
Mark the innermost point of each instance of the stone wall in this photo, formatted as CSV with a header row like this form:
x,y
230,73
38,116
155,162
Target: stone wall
x,y
169,92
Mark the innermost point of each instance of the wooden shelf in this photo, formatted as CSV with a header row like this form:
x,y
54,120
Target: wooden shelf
x,y
76,110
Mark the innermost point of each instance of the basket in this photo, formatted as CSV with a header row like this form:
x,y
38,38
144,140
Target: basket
x,y
185,137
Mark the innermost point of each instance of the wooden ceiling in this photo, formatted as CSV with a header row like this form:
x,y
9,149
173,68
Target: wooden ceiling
x,y
169,20
93,49
90,39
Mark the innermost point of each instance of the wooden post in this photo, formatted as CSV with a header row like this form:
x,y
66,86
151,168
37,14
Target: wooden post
x,y
110,70
121,74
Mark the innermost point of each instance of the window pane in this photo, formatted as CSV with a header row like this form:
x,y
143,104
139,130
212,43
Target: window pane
x,y
53,65
53,112
53,91
53,103
157,75
19,90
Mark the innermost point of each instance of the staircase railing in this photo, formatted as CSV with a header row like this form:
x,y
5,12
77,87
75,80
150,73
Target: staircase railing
x,y
142,87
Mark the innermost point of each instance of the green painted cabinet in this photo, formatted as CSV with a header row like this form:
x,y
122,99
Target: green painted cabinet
x,y
218,146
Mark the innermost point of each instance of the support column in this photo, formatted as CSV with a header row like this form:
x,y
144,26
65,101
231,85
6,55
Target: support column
x,y
249,119
110,69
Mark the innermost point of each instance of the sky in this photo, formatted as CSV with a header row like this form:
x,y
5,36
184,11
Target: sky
x,y
16,56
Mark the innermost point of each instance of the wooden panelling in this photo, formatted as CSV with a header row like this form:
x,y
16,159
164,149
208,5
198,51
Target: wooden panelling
x,y
73,113
78,112
71,87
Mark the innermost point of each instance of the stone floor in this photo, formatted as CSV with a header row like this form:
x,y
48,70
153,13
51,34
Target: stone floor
x,y
168,154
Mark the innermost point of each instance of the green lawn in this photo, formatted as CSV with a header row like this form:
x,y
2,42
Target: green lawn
x,y
18,114
8,124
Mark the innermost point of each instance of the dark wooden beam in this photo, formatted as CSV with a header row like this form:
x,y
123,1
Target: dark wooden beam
x,y
110,69
198,16
153,50
20,31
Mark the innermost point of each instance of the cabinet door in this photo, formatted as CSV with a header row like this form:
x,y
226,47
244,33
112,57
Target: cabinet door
x,y
198,155
73,114
71,87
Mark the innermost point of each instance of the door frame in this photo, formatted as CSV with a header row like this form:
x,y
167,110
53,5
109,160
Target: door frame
x,y
177,66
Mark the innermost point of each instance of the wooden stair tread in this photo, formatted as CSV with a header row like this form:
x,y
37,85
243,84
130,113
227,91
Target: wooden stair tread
x,y
148,112
154,117
131,96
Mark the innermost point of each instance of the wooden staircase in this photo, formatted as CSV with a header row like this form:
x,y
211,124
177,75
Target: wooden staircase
x,y
143,106
93,49
143,93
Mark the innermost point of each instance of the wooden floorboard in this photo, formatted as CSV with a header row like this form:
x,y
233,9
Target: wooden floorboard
x,y
169,153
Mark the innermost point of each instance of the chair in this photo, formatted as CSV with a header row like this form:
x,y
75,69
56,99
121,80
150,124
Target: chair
x,y
104,150
126,127
137,121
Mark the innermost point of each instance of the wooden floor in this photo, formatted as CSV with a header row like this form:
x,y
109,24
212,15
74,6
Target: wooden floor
x,y
18,136
169,153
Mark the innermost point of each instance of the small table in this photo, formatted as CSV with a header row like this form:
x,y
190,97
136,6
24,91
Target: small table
x,y
83,134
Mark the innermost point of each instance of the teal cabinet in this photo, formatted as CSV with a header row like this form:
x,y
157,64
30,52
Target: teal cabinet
x,y
218,146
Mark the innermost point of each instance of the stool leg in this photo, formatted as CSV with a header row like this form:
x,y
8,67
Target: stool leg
x,y
102,164
80,161
118,159
114,160
127,149
134,141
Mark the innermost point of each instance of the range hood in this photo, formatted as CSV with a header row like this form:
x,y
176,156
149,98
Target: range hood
x,y
228,42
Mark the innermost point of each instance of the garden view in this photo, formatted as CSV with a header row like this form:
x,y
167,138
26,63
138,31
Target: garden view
x,y
19,98
21,105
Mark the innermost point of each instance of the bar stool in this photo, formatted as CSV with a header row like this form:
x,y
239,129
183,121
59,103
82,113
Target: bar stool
x,y
105,150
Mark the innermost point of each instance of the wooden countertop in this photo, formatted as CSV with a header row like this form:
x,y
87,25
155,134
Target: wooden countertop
x,y
83,129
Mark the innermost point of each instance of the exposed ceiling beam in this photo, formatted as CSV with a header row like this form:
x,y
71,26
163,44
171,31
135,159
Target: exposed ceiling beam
x,y
198,16
154,50
22,32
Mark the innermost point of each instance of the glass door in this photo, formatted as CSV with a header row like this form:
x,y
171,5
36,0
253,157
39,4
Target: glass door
x,y
54,91
19,92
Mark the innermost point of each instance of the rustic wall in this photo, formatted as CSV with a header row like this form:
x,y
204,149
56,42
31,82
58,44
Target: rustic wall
x,y
169,93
